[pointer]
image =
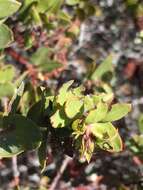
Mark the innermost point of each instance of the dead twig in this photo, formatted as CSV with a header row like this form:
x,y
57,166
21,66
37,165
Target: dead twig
x,y
32,72
60,173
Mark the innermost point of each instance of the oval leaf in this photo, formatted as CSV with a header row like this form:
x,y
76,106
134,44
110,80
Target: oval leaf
x,y
107,136
98,114
8,7
64,93
8,145
6,89
7,73
73,107
117,112
27,133
103,68
59,119
6,36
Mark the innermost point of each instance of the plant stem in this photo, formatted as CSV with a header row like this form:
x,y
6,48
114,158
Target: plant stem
x,y
60,173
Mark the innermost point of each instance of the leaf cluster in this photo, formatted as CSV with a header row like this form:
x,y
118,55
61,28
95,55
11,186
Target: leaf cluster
x,y
86,118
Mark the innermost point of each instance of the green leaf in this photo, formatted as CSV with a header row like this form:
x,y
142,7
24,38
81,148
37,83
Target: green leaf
x,y
7,74
131,2
138,139
117,111
43,5
19,134
2,20
105,97
40,56
27,133
78,91
76,125
64,17
97,114
42,152
49,66
21,78
96,98
8,7
103,68
140,123
6,89
8,145
26,4
59,119
35,113
107,136
14,103
41,59
51,6
6,36
27,99
73,107
89,103
72,2
26,9
64,94
108,98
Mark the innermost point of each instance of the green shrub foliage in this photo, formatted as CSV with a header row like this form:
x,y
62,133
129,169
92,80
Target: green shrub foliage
x,y
84,119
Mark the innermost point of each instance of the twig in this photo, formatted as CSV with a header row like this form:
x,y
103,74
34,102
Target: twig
x,y
60,173
15,182
22,60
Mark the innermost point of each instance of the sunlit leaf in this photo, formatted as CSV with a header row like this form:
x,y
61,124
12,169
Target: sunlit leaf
x,y
14,103
73,107
59,119
64,93
117,111
138,139
7,74
108,137
78,91
6,36
6,90
8,7
97,114
51,6
103,68
89,103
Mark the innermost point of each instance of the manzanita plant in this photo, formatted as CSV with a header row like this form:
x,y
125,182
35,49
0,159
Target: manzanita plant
x,y
85,119
81,121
